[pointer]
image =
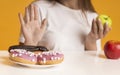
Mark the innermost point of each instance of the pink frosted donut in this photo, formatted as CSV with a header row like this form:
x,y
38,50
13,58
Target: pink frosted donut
x,y
23,56
50,57
35,55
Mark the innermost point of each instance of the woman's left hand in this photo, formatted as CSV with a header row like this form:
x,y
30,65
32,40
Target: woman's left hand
x,y
98,31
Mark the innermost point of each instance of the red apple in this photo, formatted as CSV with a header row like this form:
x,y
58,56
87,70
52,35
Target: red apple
x,y
112,49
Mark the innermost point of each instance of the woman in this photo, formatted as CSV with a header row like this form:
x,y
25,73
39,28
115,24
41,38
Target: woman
x,y
62,24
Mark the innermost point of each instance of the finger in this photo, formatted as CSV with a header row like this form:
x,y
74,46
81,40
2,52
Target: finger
x,y
106,29
31,12
21,19
27,18
100,28
40,15
43,25
92,28
95,28
36,14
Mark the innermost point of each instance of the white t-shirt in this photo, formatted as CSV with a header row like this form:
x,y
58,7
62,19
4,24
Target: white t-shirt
x,y
67,28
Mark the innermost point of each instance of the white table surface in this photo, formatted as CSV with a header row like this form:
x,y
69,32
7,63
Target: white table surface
x,y
75,63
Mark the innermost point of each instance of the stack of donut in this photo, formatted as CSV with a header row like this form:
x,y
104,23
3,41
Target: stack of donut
x,y
37,55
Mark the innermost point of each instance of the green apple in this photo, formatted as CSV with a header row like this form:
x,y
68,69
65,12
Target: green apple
x,y
105,19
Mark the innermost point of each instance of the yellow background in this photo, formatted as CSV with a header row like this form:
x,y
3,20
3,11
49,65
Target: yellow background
x,y
9,23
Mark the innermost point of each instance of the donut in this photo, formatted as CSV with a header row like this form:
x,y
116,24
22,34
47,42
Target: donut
x,y
23,56
49,58
37,55
28,48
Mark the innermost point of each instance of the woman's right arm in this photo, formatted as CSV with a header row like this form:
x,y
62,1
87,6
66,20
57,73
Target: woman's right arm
x,y
32,29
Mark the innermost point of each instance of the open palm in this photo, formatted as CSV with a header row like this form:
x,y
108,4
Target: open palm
x,y
32,28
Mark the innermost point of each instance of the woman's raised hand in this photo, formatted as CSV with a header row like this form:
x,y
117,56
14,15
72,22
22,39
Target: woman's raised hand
x,y
98,31
31,26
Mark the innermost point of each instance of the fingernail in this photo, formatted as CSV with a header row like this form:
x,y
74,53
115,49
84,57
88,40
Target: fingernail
x,y
106,23
99,19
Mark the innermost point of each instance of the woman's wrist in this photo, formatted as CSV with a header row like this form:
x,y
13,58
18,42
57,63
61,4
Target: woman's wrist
x,y
30,43
90,44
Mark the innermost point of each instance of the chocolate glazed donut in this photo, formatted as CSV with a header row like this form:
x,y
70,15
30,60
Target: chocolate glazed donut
x,y
28,48
25,54
37,55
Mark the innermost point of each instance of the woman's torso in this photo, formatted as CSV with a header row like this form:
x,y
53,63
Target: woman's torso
x,y
67,28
